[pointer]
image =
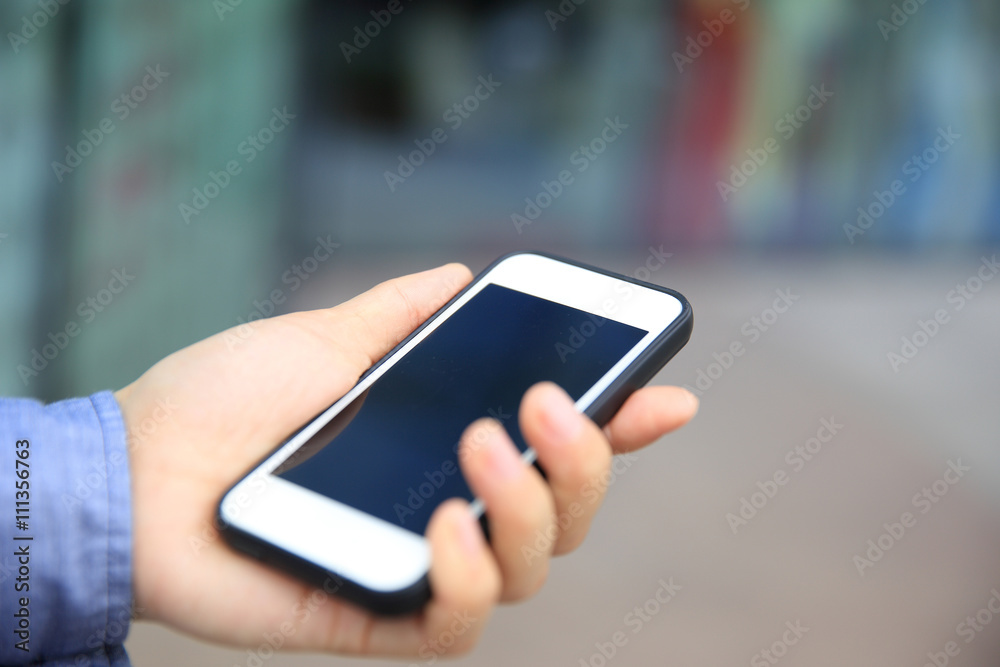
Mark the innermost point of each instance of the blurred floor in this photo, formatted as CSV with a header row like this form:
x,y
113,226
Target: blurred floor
x,y
826,358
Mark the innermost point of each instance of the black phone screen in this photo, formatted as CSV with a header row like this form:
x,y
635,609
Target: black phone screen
x,y
393,452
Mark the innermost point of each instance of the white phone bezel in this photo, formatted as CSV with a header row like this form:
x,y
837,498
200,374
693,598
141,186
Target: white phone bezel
x,y
375,553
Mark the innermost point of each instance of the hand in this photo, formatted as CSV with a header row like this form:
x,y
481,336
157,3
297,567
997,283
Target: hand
x,y
234,396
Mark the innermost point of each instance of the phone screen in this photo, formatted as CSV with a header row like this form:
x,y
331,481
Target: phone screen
x,y
393,452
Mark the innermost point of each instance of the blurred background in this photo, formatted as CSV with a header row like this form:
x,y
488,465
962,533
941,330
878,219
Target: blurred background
x,y
168,169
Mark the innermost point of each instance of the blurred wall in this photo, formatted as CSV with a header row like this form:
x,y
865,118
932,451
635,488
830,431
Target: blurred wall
x,y
119,122
224,139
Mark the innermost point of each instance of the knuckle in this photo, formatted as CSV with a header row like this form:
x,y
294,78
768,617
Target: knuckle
x,y
591,466
570,541
527,518
527,587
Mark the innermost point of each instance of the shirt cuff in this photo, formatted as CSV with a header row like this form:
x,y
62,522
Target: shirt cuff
x,y
77,530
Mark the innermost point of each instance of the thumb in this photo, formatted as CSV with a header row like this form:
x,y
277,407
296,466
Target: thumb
x,y
346,340
287,369
355,335
373,323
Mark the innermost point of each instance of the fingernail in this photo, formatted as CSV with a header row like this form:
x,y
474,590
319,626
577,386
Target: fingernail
x,y
693,401
560,415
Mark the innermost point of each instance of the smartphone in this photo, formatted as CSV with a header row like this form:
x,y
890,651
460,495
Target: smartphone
x,y
344,503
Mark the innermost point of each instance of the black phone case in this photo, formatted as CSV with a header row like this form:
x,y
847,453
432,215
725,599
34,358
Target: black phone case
x,y
414,597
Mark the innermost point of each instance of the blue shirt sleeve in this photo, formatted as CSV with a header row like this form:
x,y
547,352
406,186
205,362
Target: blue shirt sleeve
x,y
65,533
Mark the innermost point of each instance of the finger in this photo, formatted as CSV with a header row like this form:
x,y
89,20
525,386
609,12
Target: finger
x,y
466,585
372,323
575,456
465,582
518,503
648,414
